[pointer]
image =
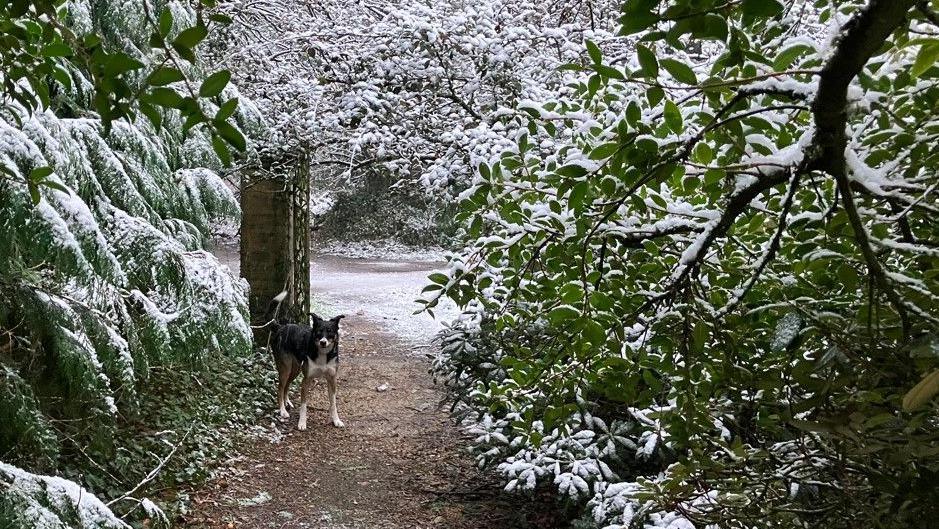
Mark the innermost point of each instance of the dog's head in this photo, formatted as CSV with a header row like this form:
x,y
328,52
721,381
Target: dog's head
x,y
326,332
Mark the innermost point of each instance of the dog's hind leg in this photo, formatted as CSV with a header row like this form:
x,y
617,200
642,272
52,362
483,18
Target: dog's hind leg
x,y
304,398
293,376
283,382
333,411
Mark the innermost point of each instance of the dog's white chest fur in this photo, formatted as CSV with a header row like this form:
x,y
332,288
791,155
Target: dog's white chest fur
x,y
320,368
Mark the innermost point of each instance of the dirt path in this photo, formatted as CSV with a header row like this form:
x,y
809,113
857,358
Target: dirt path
x,y
398,463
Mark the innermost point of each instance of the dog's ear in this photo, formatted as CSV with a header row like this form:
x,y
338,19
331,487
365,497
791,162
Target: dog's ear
x,y
315,317
337,318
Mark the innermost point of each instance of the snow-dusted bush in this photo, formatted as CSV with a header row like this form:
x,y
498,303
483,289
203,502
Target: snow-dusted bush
x,y
46,502
700,286
102,271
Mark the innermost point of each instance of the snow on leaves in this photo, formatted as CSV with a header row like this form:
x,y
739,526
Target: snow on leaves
x,y
676,241
102,272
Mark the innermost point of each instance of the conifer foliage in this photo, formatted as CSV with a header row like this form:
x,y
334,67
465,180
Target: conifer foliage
x,y
111,133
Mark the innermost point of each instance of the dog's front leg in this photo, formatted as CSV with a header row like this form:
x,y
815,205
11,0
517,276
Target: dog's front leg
x,y
333,412
304,397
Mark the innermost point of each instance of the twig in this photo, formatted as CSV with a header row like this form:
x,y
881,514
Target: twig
x,y
153,473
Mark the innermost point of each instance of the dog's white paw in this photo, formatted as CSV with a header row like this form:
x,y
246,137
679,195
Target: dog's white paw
x,y
301,425
337,423
284,414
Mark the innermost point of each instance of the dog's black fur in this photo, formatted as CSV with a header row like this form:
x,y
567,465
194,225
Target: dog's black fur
x,y
300,340
310,349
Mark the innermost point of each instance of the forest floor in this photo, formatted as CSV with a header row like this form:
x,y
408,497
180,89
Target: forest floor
x,y
400,462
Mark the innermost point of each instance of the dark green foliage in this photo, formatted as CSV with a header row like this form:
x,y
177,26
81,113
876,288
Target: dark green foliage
x,y
743,293
379,211
103,281
48,51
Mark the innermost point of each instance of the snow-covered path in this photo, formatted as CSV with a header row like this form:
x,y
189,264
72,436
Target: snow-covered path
x,y
381,291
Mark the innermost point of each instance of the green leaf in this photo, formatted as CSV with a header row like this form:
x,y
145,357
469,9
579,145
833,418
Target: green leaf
x,y
484,170
55,185
166,22
711,26
848,276
593,84
190,37
563,313
34,193
185,53
578,194
655,95
40,88
221,19
609,71
572,171
595,333
699,336
192,120
601,301
673,116
786,57
679,70
214,84
647,61
57,49
604,150
120,63
62,76
164,76
221,149
633,113
227,109
761,8
152,114
232,135
165,97
925,59
703,153
18,8
40,173
595,55
636,22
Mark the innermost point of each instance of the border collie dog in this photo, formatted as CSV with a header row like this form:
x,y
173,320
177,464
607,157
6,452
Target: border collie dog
x,y
310,349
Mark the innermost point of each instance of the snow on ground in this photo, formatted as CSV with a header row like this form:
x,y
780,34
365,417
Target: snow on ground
x,y
378,281
379,250
380,290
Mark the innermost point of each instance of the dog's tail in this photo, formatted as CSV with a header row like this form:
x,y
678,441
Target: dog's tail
x,y
274,309
271,316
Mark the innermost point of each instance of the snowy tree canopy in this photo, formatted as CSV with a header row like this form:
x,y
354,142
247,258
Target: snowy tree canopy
x,y
111,133
417,91
700,283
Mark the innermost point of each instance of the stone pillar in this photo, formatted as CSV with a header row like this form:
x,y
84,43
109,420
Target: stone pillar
x,y
265,240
